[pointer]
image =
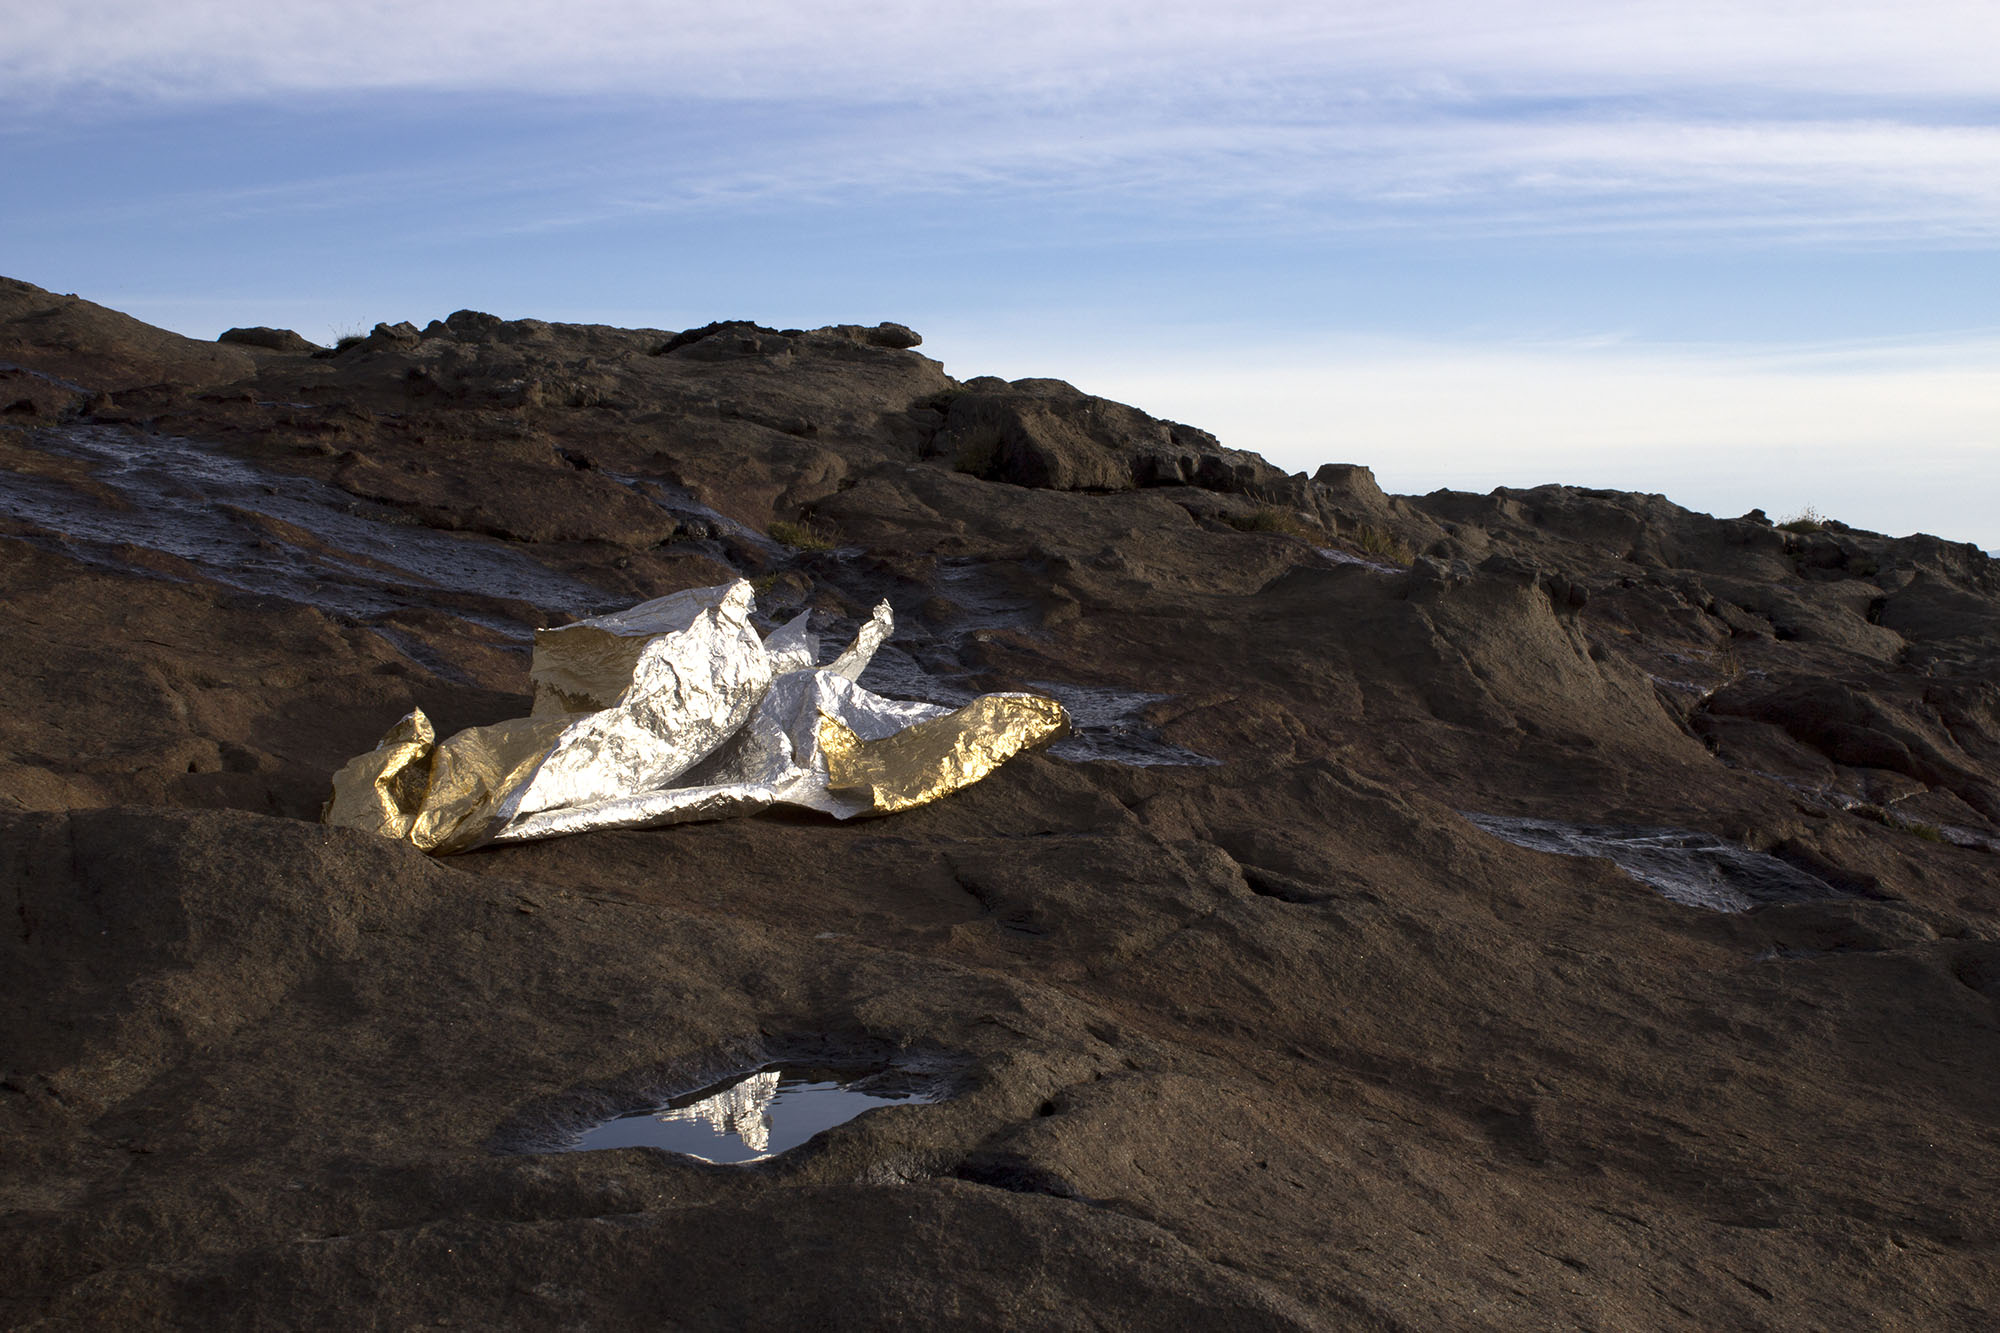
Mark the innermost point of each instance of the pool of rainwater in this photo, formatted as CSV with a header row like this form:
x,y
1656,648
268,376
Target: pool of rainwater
x,y
763,1112
1687,867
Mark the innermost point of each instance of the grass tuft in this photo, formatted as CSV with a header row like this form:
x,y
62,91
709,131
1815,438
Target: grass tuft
x,y
1268,519
1384,546
801,536
1808,519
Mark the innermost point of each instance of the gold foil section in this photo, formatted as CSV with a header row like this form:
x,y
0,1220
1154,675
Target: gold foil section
x,y
475,779
932,758
383,791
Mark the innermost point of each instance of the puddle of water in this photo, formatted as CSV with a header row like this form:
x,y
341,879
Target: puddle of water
x,y
1694,869
358,559
1105,724
1335,556
983,601
698,522
750,1117
1958,836
44,377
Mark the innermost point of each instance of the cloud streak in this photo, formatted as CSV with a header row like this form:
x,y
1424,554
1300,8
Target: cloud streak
x,y
1811,181
1850,124
1035,48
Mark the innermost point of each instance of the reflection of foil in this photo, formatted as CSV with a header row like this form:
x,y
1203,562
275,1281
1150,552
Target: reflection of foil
x,y
674,711
742,1109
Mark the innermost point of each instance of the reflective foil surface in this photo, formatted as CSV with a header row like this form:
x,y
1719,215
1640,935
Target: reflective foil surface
x,y
675,710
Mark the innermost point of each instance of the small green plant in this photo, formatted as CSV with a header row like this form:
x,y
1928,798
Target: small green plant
x,y
1385,546
1808,519
1727,662
1928,832
801,536
1268,519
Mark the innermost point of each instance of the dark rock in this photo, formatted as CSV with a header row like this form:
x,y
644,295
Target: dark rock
x,y
1932,607
79,341
742,330
896,336
1047,435
1351,485
275,340
472,325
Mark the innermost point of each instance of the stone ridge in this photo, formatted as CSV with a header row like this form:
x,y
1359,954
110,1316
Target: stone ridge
x,y
1246,1023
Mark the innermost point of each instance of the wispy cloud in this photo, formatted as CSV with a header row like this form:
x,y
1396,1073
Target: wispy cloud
x,y
1035,48
1809,181
1839,122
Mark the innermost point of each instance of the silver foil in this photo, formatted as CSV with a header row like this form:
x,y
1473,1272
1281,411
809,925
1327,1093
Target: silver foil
x,y
674,711
774,760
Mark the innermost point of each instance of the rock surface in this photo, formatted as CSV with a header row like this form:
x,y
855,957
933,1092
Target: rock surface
x,y
1254,1027
270,339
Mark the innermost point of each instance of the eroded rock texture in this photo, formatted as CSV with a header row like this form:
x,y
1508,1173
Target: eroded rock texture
x,y
1252,1027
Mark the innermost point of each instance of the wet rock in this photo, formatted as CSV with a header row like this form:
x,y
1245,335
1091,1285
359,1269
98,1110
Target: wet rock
x,y
1695,869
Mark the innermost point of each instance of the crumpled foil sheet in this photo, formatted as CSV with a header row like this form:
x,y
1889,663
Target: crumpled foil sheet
x,y
675,710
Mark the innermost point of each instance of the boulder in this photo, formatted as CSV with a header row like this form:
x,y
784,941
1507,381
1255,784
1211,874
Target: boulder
x,y
274,340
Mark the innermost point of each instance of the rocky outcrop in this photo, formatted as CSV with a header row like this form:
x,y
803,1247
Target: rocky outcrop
x,y
1246,1024
73,339
270,339
1046,434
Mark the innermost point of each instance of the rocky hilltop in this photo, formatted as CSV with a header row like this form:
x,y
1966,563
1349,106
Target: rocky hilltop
x,y
1544,909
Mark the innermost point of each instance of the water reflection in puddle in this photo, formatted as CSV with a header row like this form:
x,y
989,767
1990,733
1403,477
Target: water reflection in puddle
x,y
749,1117
1695,869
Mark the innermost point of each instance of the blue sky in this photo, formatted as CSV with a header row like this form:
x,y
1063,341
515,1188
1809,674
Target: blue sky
x,y
1742,254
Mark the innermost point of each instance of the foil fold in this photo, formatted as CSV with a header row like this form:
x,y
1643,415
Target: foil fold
x,y
675,710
